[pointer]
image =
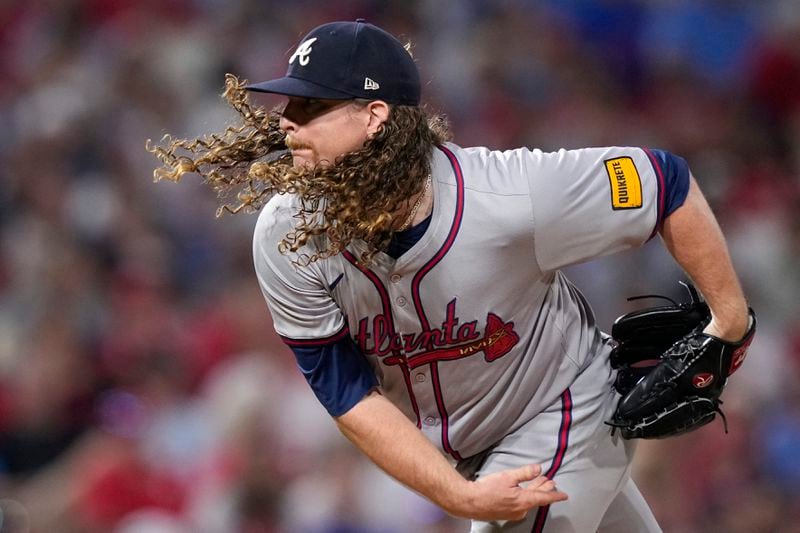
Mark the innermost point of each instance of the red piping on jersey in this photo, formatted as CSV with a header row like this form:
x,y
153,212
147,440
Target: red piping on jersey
x,y
387,312
448,243
561,451
437,390
415,294
310,343
661,192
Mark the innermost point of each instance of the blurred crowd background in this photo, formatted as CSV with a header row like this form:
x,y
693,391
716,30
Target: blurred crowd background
x,y
142,389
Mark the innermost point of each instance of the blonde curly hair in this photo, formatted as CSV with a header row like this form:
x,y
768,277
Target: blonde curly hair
x,y
357,197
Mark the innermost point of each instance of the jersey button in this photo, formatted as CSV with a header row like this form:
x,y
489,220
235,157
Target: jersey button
x,y
401,301
419,378
429,421
395,278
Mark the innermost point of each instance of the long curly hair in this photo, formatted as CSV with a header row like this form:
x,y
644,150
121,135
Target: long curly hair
x,y
356,197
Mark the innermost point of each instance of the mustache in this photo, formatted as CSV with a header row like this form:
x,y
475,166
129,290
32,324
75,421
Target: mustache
x,y
293,144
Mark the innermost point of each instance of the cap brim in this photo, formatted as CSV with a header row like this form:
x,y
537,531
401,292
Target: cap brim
x,y
297,87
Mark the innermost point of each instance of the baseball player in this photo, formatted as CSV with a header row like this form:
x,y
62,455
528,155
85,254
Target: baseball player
x,y
418,285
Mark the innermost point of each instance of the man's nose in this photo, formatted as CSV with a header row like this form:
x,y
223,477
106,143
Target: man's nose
x,y
286,124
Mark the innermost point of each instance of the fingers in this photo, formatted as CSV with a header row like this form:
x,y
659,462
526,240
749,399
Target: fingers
x,y
525,473
550,496
540,493
541,483
540,489
511,494
527,477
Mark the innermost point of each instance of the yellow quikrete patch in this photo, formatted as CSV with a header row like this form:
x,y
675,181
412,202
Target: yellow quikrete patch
x,y
626,185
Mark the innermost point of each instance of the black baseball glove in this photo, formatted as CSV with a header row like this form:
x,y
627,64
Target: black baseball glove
x,y
670,373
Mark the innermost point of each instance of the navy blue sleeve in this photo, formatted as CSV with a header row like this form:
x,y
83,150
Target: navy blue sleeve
x,y
337,371
675,171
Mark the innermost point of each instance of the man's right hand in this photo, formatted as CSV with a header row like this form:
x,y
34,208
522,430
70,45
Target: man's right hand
x,y
507,495
380,430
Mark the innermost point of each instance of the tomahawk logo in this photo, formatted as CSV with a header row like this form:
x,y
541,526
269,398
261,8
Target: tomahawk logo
x,y
302,52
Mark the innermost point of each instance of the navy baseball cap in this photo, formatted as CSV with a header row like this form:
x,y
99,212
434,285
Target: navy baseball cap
x,y
344,60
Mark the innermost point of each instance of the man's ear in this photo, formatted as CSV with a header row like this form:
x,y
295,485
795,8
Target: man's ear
x,y
378,113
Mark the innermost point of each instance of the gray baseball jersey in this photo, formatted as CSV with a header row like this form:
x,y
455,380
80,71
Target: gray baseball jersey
x,y
474,331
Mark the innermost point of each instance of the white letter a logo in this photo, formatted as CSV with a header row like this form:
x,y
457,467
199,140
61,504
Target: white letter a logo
x,y
303,51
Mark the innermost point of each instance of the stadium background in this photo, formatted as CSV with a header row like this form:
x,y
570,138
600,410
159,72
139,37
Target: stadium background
x,y
141,386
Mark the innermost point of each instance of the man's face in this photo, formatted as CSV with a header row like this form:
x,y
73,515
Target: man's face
x,y
319,131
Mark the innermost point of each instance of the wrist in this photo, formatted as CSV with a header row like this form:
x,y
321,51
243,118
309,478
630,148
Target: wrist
x,y
458,501
731,328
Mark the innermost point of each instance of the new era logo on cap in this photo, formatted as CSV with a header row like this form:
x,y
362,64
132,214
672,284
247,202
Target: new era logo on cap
x,y
348,58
